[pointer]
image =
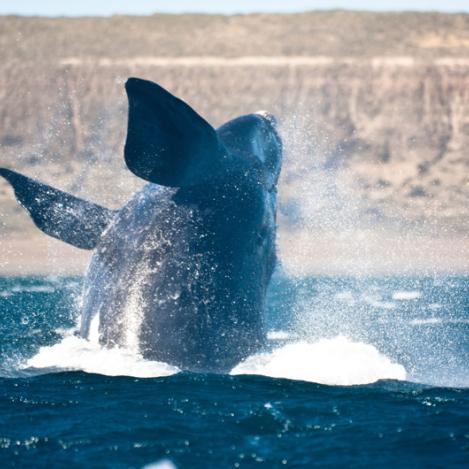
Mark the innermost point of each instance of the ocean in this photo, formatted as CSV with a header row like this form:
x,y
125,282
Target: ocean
x,y
360,372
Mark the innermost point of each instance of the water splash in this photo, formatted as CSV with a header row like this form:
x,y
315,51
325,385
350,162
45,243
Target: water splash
x,y
337,361
133,312
75,353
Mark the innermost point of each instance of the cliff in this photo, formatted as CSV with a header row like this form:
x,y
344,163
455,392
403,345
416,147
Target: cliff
x,y
373,107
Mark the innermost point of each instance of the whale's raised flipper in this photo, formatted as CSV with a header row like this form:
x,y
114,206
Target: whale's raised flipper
x,y
58,214
168,143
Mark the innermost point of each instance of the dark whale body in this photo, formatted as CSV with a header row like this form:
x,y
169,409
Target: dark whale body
x,y
181,271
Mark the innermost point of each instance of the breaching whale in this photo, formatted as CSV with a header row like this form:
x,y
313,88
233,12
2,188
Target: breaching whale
x,y
180,271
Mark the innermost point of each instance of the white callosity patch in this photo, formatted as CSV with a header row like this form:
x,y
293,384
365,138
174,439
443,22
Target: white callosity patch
x,y
336,361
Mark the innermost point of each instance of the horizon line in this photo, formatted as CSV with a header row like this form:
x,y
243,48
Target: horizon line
x,y
245,13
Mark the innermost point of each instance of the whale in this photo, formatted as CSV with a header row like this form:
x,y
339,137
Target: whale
x,y
180,272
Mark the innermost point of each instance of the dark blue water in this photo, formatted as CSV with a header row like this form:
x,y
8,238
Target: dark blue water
x,y
329,330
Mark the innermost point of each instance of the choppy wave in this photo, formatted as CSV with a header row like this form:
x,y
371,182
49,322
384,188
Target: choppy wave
x,y
330,331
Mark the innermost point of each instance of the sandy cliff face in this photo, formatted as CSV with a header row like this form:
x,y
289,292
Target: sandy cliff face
x,y
394,133
376,126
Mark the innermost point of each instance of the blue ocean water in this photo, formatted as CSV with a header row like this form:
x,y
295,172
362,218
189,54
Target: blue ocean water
x,y
361,372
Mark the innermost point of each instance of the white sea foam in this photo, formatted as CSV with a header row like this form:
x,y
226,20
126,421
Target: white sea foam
x,y
75,353
278,335
32,289
425,321
337,361
346,295
406,295
377,302
26,289
431,321
163,464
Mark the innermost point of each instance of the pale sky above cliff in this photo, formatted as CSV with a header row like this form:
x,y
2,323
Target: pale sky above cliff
x,y
109,7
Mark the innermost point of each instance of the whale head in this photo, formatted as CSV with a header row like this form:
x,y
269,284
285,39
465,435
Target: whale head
x,y
255,141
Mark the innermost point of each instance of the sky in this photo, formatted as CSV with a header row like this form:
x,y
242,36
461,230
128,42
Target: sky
x,y
144,7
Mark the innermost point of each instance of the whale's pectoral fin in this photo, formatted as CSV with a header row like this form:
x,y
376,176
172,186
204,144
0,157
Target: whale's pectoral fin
x,y
58,214
168,143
